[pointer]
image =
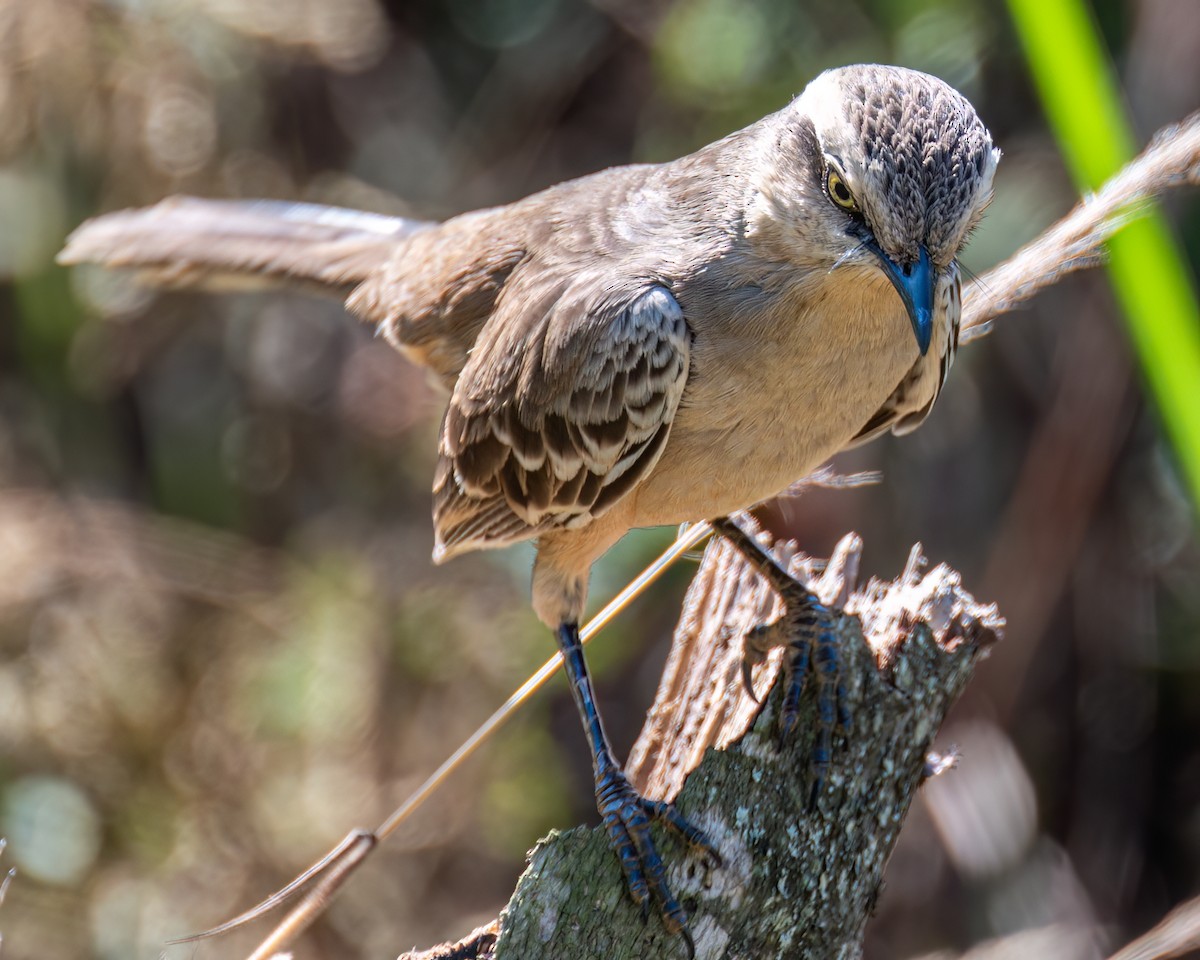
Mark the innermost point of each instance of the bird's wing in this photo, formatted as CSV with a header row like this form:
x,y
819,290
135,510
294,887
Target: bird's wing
x,y
188,242
433,296
563,408
911,401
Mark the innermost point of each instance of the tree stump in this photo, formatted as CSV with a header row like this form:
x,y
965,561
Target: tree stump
x,y
795,882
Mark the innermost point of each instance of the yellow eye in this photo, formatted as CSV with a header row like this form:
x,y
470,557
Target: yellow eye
x,y
838,192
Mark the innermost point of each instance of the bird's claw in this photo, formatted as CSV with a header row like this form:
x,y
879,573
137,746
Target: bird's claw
x,y
806,629
812,649
756,644
748,679
627,816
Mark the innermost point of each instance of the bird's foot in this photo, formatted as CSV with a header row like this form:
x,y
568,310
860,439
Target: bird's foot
x,y
627,817
806,629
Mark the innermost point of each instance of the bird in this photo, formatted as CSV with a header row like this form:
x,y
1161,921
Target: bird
x,y
647,345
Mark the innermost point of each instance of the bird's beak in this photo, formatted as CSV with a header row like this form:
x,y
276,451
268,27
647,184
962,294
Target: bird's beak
x,y
914,283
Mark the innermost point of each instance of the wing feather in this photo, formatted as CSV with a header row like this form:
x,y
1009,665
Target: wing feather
x,y
550,428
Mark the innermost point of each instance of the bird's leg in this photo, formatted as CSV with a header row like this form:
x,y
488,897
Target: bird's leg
x,y
806,628
627,815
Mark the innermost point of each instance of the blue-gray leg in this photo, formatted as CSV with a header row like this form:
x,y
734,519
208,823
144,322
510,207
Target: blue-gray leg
x,y
627,815
807,629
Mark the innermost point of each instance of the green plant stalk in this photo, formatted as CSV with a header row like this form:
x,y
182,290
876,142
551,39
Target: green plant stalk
x,y
1148,273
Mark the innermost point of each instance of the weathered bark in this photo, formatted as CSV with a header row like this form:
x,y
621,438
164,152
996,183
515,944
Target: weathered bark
x,y
795,882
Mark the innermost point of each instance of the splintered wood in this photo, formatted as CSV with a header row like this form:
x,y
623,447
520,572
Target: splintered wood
x,y
701,701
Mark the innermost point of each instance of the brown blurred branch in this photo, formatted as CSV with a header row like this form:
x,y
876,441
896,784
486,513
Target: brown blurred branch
x,y
1178,934
1065,470
794,882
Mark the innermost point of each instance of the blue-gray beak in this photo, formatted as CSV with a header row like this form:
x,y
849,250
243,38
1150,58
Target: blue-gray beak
x,y
914,283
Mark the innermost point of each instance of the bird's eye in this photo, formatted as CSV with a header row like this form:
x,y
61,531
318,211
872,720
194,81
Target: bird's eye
x,y
838,192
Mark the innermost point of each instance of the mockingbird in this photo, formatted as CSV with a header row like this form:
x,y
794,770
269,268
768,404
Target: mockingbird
x,y
650,344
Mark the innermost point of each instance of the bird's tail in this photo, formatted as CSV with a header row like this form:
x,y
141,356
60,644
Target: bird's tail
x,y
187,242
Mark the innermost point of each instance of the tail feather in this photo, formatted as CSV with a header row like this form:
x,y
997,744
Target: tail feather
x,y
188,242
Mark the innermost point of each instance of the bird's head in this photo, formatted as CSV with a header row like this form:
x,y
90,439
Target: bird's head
x,y
892,169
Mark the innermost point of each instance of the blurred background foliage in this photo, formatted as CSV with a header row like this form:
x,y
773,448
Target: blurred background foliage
x,y
222,643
